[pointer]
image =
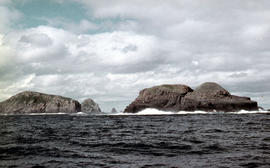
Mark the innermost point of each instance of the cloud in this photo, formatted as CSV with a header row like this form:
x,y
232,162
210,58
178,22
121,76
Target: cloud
x,y
7,17
39,40
4,51
50,49
38,44
83,26
239,75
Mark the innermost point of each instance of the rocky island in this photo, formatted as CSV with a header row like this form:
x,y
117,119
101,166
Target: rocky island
x,y
207,97
89,106
34,102
113,111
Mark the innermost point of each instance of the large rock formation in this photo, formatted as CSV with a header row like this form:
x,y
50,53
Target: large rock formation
x,y
164,97
34,102
208,97
211,96
90,106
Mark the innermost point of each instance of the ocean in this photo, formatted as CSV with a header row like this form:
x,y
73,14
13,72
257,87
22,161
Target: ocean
x,y
195,140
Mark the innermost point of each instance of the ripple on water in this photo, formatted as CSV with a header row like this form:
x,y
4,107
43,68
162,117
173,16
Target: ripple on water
x,y
199,140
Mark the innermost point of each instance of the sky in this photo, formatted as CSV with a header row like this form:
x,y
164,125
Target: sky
x,y
109,50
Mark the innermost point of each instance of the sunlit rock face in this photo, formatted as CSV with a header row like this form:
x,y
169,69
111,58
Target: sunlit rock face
x,y
90,106
207,97
35,102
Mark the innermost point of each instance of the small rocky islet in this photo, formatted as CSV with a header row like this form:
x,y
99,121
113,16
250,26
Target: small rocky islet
x,y
207,97
90,106
113,111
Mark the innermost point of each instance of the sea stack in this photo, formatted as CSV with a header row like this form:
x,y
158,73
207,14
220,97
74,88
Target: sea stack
x,y
90,106
207,97
34,102
113,110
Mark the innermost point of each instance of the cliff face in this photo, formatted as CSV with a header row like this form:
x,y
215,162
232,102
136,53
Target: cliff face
x,y
208,97
34,102
90,106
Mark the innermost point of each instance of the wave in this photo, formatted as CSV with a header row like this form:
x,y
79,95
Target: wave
x,y
61,113
151,111
47,113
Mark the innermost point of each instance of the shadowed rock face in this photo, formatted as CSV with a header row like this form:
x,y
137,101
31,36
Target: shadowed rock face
x,y
208,97
34,102
90,106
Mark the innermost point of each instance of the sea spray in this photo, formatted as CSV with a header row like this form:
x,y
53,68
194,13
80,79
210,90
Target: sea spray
x,y
151,111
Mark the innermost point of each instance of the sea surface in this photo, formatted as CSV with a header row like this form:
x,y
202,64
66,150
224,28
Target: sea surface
x,y
147,141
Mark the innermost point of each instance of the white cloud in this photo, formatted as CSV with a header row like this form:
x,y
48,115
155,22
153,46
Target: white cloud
x,y
39,40
83,26
19,84
41,43
7,17
105,49
5,52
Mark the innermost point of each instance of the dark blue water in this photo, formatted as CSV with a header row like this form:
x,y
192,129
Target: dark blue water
x,y
207,140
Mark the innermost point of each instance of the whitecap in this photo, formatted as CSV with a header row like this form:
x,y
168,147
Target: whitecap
x,y
151,111
45,114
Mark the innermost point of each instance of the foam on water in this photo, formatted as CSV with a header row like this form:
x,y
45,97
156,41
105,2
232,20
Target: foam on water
x,y
151,111
250,112
81,113
47,113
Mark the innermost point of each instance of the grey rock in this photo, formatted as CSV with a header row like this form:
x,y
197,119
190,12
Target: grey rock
x,y
261,108
113,110
163,97
211,96
207,97
90,106
35,102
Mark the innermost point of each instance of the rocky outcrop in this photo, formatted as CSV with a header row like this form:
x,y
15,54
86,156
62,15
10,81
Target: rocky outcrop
x,y
90,106
211,96
34,102
113,110
164,97
207,97
261,108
